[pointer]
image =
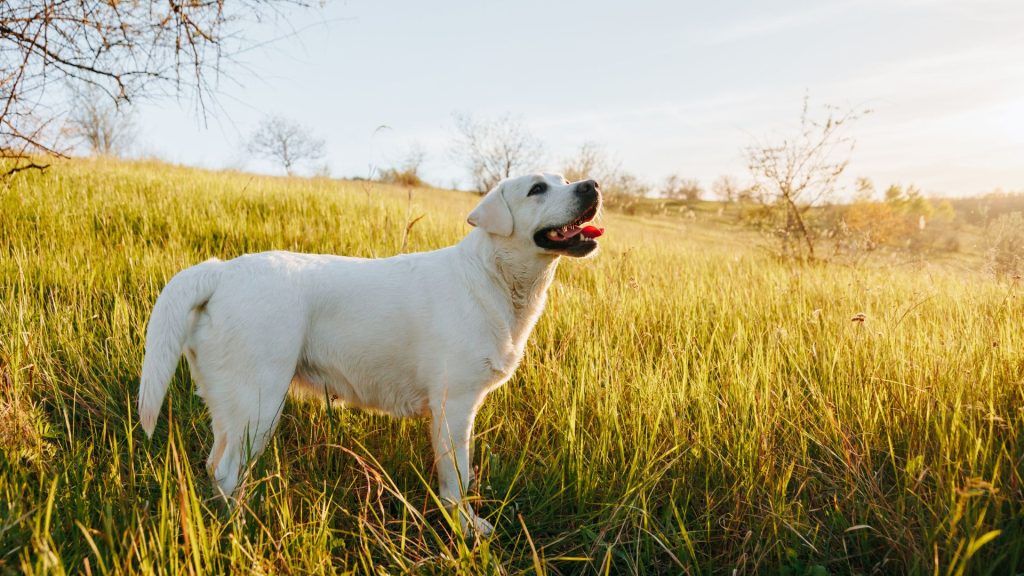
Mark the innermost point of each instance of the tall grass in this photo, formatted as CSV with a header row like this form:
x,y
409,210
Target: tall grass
x,y
687,404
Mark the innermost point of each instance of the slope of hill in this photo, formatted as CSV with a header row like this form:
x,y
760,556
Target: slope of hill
x,y
687,403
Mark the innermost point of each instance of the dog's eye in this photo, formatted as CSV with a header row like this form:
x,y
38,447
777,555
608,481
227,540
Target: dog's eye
x,y
538,188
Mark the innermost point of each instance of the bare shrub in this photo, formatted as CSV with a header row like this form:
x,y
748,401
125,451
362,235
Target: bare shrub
x,y
624,190
726,189
676,187
1005,239
400,177
619,188
407,172
799,171
590,160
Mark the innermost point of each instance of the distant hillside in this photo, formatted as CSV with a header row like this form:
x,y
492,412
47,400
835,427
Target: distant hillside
x,y
981,209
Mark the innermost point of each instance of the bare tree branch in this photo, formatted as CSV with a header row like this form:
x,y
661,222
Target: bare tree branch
x,y
122,49
800,171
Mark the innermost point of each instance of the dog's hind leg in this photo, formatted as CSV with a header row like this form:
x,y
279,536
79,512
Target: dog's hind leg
x,y
219,439
243,426
244,384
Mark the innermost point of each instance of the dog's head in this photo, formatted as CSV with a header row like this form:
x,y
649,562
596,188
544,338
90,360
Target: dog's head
x,y
544,211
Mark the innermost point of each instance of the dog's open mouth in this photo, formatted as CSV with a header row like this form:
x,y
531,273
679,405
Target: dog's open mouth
x,y
574,238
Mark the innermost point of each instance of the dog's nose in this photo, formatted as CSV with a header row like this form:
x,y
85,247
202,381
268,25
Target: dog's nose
x,y
588,188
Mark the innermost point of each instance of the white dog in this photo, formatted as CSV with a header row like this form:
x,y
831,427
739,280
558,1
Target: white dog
x,y
416,334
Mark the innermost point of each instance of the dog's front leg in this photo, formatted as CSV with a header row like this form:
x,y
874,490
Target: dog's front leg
x,y
451,432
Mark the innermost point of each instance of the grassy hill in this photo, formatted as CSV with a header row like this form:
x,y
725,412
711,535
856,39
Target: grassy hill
x,y
687,404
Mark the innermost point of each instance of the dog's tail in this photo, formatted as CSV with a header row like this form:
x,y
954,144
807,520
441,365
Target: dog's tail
x,y
169,325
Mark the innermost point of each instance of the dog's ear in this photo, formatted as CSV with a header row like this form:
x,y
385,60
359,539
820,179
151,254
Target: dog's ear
x,y
492,213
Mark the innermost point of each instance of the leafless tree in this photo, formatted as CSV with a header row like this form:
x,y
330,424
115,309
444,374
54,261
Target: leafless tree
x,y
592,161
493,150
106,128
679,188
123,49
797,172
726,189
625,185
285,142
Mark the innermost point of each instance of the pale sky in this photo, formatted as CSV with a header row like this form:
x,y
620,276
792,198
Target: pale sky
x,y
666,87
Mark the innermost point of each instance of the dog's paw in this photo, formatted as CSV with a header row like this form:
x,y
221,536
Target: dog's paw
x,y
473,524
482,527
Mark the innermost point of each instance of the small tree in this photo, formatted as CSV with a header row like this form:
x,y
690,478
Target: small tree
x,y
591,161
726,189
285,142
493,150
406,172
864,189
678,188
105,127
797,172
626,186
619,188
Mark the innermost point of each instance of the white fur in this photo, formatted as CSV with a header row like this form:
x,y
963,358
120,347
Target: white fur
x,y
419,334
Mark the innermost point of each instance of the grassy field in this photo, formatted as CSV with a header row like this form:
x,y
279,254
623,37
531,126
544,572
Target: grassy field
x,y
687,404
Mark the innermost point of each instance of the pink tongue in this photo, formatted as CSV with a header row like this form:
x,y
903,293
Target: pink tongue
x,y
591,231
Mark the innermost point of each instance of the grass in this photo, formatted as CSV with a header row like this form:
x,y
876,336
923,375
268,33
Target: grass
x,y
687,404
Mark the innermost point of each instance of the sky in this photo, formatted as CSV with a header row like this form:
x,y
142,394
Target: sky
x,y
665,87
